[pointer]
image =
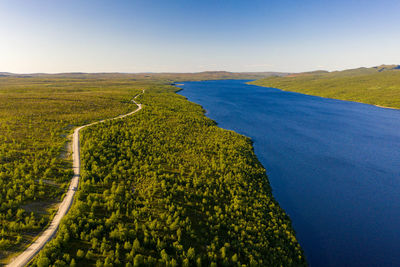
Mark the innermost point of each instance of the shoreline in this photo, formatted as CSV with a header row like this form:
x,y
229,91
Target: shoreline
x,y
376,105
195,94
380,106
256,158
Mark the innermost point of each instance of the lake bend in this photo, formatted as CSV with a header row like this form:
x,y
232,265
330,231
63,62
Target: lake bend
x,y
334,166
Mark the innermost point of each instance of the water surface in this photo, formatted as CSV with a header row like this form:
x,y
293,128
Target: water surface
x,y
334,166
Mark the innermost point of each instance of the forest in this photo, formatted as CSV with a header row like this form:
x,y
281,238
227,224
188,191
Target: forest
x,y
36,116
376,86
163,187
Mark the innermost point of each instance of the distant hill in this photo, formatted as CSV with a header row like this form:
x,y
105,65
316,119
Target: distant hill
x,y
216,75
4,74
378,85
308,73
387,67
349,72
206,75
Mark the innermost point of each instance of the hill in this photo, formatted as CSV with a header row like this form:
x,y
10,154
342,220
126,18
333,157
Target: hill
x,y
377,85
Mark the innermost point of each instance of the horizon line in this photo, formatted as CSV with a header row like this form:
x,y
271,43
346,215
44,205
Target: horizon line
x,y
189,72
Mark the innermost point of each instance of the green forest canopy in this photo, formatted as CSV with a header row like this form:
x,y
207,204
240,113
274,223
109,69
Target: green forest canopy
x,y
168,187
180,181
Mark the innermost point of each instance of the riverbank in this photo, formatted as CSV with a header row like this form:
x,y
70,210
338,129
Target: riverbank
x,y
332,166
385,107
375,86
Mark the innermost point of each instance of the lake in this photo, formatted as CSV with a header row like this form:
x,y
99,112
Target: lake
x,y
333,165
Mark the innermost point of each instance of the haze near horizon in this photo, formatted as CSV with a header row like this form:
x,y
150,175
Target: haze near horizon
x,y
192,36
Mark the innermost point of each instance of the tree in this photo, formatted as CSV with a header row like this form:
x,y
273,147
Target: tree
x,y
43,262
80,253
191,253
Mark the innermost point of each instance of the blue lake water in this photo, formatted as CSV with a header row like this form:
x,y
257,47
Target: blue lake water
x,y
334,166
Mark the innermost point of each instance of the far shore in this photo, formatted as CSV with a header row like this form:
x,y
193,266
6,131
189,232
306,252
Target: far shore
x,y
386,107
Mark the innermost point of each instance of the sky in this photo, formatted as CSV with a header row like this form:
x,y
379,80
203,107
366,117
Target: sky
x,y
197,35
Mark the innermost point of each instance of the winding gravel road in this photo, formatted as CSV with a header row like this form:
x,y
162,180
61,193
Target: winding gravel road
x,y
25,257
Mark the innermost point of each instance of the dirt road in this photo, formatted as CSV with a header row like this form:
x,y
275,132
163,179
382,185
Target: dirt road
x,y
25,257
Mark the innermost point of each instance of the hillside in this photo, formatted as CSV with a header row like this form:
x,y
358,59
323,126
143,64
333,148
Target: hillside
x,y
377,86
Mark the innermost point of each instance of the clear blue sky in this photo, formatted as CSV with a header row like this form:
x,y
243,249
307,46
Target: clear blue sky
x,y
197,35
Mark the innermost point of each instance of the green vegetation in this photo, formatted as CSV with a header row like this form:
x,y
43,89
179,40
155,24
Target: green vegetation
x,y
36,115
168,187
165,186
377,86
